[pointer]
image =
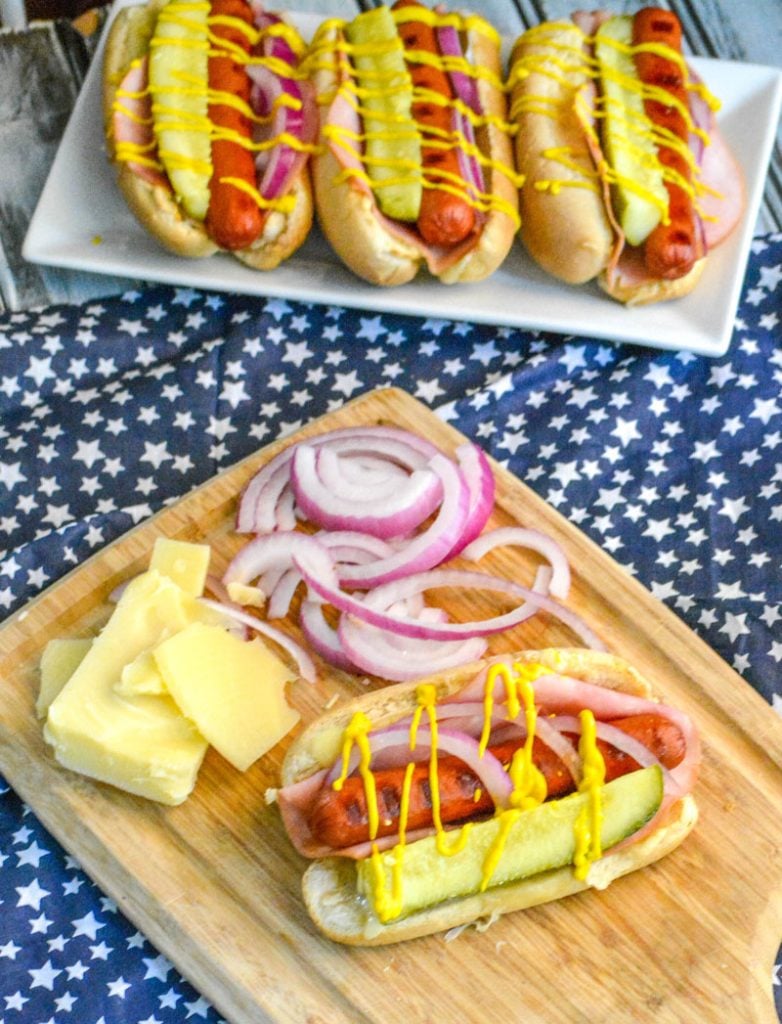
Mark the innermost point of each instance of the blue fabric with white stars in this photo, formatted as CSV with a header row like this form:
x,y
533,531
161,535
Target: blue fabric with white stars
x,y
110,410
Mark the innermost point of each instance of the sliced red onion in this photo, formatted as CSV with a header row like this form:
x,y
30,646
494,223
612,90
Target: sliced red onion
x,y
548,732
265,488
258,504
469,165
366,469
493,777
279,583
464,85
351,546
534,601
295,121
426,549
271,551
285,511
389,515
398,659
304,662
213,585
480,483
352,484
619,739
318,571
536,540
322,638
282,595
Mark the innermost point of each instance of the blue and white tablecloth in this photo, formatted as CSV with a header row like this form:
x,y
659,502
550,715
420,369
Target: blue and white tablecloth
x,y
112,409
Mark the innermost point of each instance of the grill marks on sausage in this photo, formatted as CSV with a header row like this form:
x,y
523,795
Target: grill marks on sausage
x,y
672,249
340,819
445,218
234,220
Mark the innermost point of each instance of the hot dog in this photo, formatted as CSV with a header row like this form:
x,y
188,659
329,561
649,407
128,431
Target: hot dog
x,y
210,124
492,788
621,154
415,166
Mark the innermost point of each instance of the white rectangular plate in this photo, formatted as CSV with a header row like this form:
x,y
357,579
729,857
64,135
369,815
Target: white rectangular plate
x,y
82,223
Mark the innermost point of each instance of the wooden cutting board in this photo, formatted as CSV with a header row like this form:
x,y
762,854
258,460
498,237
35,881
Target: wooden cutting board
x,y
215,885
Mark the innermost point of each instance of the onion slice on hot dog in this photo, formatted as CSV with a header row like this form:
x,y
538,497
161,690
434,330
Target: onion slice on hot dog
x,y
426,763
210,124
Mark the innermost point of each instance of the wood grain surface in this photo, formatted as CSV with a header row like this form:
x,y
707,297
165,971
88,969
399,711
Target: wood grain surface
x,y
215,885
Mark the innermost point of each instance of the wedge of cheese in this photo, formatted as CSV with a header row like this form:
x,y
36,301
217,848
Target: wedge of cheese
x,y
184,563
141,743
59,661
232,690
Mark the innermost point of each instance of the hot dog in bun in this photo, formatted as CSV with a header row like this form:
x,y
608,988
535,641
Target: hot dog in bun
x,y
498,786
627,178
415,166
210,124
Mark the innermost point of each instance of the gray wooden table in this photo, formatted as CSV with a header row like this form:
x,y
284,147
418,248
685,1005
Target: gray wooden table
x,y
43,65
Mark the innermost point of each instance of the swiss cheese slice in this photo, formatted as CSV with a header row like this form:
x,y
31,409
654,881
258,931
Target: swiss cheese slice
x,y
59,661
232,690
184,563
142,744
178,80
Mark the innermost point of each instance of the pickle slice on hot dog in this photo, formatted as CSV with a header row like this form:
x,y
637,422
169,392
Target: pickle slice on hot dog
x,y
613,134
380,775
437,134
210,123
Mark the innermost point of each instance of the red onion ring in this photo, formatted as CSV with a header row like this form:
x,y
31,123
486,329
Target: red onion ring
x,y
265,487
318,571
426,549
398,659
464,85
356,483
394,512
322,638
478,473
493,777
535,540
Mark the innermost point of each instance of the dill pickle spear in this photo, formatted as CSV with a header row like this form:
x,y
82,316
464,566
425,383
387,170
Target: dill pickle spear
x,y
178,72
537,840
392,148
640,195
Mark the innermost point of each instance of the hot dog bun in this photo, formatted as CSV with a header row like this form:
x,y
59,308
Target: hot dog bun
x,y
329,884
567,202
151,197
348,214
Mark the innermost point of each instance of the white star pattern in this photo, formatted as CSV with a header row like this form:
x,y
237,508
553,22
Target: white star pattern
x,y
671,463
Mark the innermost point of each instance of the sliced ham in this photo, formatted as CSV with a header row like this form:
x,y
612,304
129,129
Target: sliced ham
x,y
721,173
132,121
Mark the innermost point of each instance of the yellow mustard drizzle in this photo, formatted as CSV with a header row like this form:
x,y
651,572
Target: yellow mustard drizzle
x,y
563,63
334,55
589,823
168,116
434,19
356,733
529,786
